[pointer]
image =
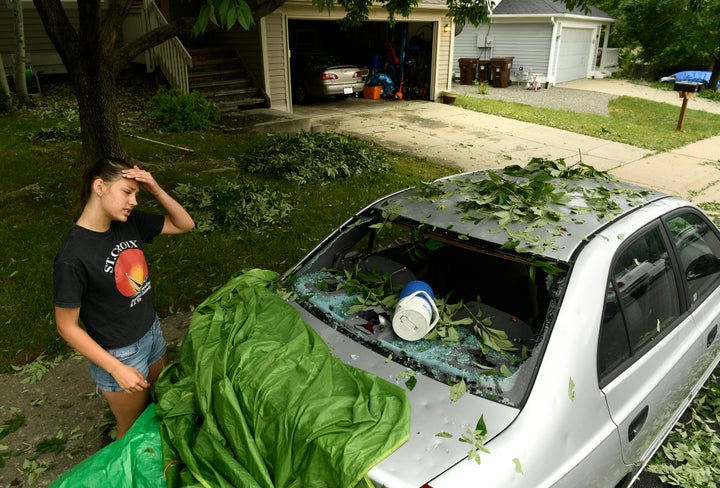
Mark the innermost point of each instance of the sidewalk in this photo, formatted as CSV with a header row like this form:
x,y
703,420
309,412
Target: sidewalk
x,y
469,140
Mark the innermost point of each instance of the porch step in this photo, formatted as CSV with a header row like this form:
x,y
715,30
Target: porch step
x,y
220,74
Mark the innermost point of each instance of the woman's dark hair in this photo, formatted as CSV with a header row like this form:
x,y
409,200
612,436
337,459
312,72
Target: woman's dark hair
x,y
107,169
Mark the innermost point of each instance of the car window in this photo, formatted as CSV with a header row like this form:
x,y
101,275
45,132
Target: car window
x,y
641,301
494,310
698,249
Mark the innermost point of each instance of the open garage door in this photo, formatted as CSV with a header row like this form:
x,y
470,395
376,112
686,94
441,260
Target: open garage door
x,y
574,55
400,55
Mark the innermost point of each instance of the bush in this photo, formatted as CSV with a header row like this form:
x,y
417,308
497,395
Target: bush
x,y
233,205
312,157
58,133
176,111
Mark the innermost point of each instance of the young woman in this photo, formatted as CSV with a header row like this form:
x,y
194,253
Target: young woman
x,y
101,279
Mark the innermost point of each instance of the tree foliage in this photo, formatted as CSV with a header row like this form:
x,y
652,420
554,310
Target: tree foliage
x,y
672,34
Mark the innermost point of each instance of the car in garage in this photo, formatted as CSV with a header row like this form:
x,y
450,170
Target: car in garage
x,y
323,75
576,320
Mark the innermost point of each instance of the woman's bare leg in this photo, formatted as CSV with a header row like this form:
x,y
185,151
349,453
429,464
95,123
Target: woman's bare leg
x,y
156,367
126,407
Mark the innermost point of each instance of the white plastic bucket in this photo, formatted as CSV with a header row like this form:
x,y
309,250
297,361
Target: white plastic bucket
x,y
416,313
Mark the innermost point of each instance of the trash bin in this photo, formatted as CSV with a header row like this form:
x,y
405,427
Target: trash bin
x,y
484,73
468,70
501,71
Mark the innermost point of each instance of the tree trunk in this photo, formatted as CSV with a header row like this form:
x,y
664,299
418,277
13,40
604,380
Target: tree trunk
x,y
97,105
714,72
20,62
5,87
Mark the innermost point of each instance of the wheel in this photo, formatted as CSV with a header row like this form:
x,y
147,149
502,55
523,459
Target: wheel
x,y
300,95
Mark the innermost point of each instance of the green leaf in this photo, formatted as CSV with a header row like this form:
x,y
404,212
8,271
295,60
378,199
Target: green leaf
x,y
457,391
571,389
445,435
518,466
505,371
480,426
410,379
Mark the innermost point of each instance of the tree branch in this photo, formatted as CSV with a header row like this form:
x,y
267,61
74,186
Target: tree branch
x,y
112,21
61,32
266,7
125,54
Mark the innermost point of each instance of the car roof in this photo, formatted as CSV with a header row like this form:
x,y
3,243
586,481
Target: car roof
x,y
545,208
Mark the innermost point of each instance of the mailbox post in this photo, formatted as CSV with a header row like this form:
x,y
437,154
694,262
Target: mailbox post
x,y
686,90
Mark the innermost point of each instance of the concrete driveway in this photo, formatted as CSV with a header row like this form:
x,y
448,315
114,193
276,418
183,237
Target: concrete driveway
x,y
469,140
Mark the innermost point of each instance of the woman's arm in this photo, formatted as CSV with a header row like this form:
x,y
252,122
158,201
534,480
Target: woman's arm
x,y
68,326
177,220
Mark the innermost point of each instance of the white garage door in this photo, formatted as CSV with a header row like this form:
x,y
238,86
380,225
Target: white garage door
x,y
575,45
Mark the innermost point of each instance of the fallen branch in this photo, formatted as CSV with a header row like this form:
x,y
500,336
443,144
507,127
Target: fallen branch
x,y
161,143
17,192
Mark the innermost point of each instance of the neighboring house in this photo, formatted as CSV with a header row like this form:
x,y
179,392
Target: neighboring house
x,y
267,47
544,38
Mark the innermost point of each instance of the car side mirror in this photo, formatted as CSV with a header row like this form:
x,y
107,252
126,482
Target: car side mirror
x,y
704,265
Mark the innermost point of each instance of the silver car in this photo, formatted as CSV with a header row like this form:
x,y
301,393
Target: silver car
x,y
577,318
320,75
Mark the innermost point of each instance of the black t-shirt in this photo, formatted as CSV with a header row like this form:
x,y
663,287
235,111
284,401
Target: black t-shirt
x,y
105,275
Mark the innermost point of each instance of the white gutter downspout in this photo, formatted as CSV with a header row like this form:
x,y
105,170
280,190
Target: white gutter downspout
x,y
554,52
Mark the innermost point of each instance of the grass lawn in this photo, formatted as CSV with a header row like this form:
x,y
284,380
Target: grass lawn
x,y
638,122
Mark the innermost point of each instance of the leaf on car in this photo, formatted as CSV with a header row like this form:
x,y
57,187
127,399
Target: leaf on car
x,y
457,391
505,371
410,379
444,435
571,389
518,466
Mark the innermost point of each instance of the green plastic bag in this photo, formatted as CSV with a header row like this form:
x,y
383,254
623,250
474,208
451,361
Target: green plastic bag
x,y
258,400
135,460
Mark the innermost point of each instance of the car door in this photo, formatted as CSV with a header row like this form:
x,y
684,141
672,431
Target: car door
x,y
648,343
697,246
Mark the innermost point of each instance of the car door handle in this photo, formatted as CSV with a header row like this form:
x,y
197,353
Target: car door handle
x,y
711,335
637,423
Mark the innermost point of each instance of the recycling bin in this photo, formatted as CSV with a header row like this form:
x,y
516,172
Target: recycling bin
x,y
468,70
484,72
501,71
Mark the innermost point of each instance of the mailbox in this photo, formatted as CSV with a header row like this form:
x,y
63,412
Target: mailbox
x,y
688,86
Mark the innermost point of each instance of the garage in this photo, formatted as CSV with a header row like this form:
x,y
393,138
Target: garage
x,y
574,55
401,53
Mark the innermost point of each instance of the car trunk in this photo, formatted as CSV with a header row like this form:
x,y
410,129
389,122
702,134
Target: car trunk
x,y
436,424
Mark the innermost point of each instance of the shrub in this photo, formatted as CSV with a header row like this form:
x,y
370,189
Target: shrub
x,y
233,205
176,111
312,157
58,133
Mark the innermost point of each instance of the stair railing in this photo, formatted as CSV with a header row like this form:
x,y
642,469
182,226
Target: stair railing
x,y
171,56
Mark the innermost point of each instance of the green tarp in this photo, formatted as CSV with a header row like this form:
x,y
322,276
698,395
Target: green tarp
x,y
133,461
258,400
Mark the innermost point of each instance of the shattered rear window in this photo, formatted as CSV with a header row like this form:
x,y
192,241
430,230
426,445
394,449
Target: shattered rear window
x,y
494,308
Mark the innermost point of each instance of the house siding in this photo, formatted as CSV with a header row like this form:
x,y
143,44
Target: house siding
x,y
274,33
528,44
40,49
248,44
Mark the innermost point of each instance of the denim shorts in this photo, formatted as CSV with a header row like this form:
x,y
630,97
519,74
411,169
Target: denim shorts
x,y
140,355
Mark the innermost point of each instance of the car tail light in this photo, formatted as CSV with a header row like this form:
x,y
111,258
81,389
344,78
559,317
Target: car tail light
x,y
328,76
358,74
